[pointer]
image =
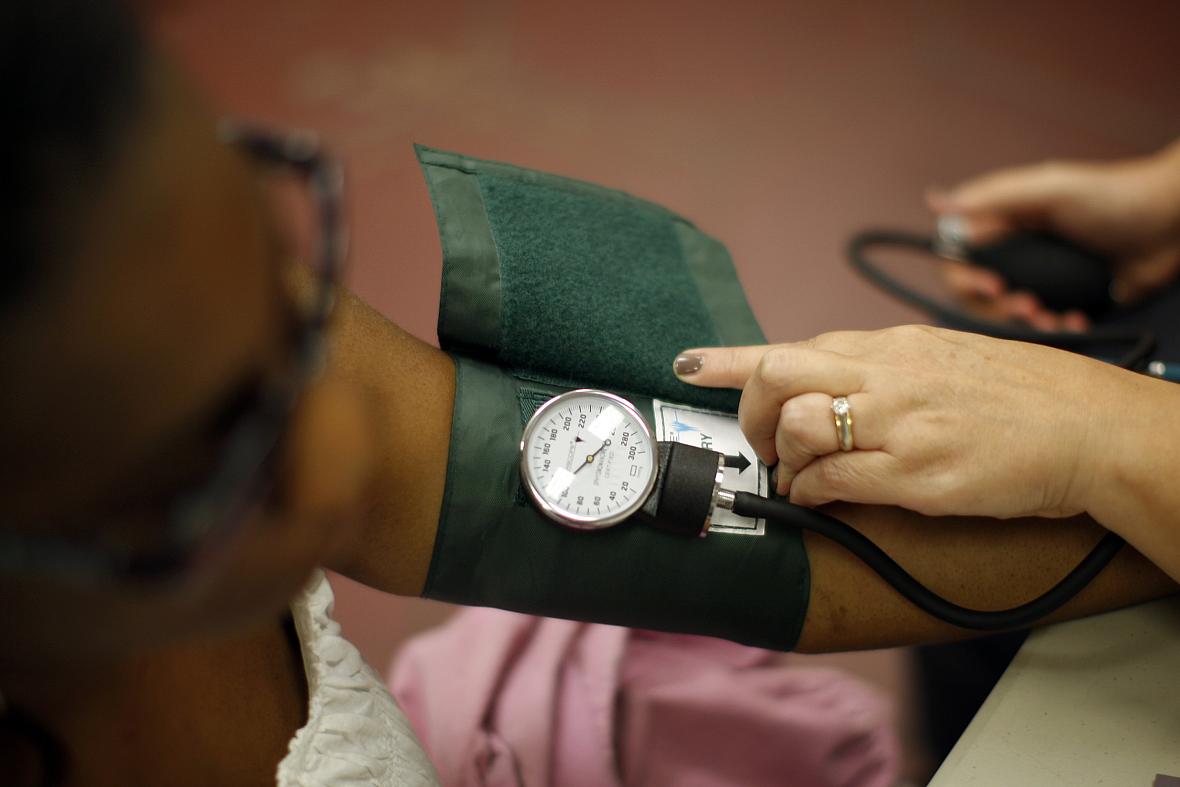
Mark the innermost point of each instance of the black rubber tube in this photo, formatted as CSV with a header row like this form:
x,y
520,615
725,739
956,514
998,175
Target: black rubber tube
x,y
1140,342
746,504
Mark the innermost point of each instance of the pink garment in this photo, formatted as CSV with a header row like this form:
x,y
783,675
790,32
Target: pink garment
x,y
502,699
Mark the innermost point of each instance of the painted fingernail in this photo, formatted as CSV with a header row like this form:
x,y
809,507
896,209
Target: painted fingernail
x,y
686,364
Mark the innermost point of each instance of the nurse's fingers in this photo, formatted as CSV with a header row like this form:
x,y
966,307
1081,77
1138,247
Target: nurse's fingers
x,y
732,367
1010,195
784,373
807,430
854,477
972,281
720,367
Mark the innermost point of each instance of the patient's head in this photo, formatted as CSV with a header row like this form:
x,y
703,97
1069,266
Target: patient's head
x,y
146,307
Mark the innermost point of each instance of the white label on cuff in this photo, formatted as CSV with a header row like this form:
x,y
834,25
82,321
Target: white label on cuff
x,y
718,432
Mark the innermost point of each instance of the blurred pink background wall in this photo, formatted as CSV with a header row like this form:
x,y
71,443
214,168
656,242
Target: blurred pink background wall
x,y
779,127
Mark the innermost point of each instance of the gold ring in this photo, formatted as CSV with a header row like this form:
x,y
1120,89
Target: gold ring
x,y
843,412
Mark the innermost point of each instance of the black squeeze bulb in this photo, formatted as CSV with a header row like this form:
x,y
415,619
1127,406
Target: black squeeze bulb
x,y
1062,275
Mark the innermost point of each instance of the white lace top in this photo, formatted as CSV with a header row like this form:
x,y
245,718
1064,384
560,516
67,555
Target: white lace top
x,y
355,733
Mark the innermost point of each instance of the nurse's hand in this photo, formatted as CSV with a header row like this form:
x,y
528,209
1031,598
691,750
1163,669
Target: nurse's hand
x,y
1129,210
944,423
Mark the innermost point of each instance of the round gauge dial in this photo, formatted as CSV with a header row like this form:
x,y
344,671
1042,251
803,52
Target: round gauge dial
x,y
588,459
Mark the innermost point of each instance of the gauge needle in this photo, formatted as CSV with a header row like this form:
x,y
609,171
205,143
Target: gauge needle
x,y
590,457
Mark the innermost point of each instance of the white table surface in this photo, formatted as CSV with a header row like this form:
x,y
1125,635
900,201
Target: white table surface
x,y
1089,702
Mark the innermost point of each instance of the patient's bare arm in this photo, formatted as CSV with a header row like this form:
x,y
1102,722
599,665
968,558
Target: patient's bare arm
x,y
411,386
981,563
976,562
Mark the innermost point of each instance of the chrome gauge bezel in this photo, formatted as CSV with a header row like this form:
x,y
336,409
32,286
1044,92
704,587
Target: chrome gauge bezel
x,y
567,518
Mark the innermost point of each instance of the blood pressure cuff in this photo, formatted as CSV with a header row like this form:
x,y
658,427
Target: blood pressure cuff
x,y
551,284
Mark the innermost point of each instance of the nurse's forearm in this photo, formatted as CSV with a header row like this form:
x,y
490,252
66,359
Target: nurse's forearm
x,y
977,563
1133,490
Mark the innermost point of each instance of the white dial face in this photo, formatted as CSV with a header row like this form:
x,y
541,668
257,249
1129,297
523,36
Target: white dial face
x,y
588,459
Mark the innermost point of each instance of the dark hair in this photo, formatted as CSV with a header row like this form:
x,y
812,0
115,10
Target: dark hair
x,y
38,756
71,81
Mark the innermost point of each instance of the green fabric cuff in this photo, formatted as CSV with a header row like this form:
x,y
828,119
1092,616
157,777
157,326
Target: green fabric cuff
x,y
551,284
494,549
570,281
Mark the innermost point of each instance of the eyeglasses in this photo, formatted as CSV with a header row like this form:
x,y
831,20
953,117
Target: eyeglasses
x,y
199,523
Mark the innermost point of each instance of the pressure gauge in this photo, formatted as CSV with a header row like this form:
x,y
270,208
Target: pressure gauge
x,y
588,459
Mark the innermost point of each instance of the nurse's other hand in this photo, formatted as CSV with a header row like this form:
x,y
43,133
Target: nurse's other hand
x,y
1129,210
944,423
